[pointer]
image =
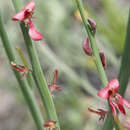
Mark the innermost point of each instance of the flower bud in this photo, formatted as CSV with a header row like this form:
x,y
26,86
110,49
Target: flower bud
x,y
103,59
93,25
86,47
50,124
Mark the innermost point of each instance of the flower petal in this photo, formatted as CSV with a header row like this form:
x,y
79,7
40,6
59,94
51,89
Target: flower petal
x,y
30,6
121,108
103,93
113,84
123,101
19,16
36,36
113,109
52,86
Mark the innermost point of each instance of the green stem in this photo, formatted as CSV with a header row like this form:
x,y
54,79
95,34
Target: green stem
x,y
94,49
45,50
37,72
125,63
28,94
29,75
124,72
93,45
119,124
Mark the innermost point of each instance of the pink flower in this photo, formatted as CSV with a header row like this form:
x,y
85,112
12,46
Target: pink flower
x,y
102,113
54,86
114,98
86,47
25,15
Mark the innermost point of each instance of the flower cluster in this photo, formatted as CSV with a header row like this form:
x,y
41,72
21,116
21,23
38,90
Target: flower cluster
x,y
111,91
25,15
116,101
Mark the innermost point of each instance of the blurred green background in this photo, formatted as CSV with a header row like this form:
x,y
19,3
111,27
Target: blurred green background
x,y
61,49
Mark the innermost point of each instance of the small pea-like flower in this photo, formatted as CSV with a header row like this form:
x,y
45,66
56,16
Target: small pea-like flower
x,y
110,92
54,87
50,124
86,47
102,113
92,25
25,15
22,69
103,59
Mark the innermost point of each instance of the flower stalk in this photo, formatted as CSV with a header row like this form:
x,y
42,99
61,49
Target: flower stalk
x,y
29,75
37,72
27,92
93,44
94,47
124,72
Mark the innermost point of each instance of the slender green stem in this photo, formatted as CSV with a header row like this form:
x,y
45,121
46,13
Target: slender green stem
x,y
46,51
37,72
93,45
124,72
119,124
94,50
28,94
29,75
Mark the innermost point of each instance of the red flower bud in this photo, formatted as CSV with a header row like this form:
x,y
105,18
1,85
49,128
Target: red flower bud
x,y
103,59
50,124
92,24
86,47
